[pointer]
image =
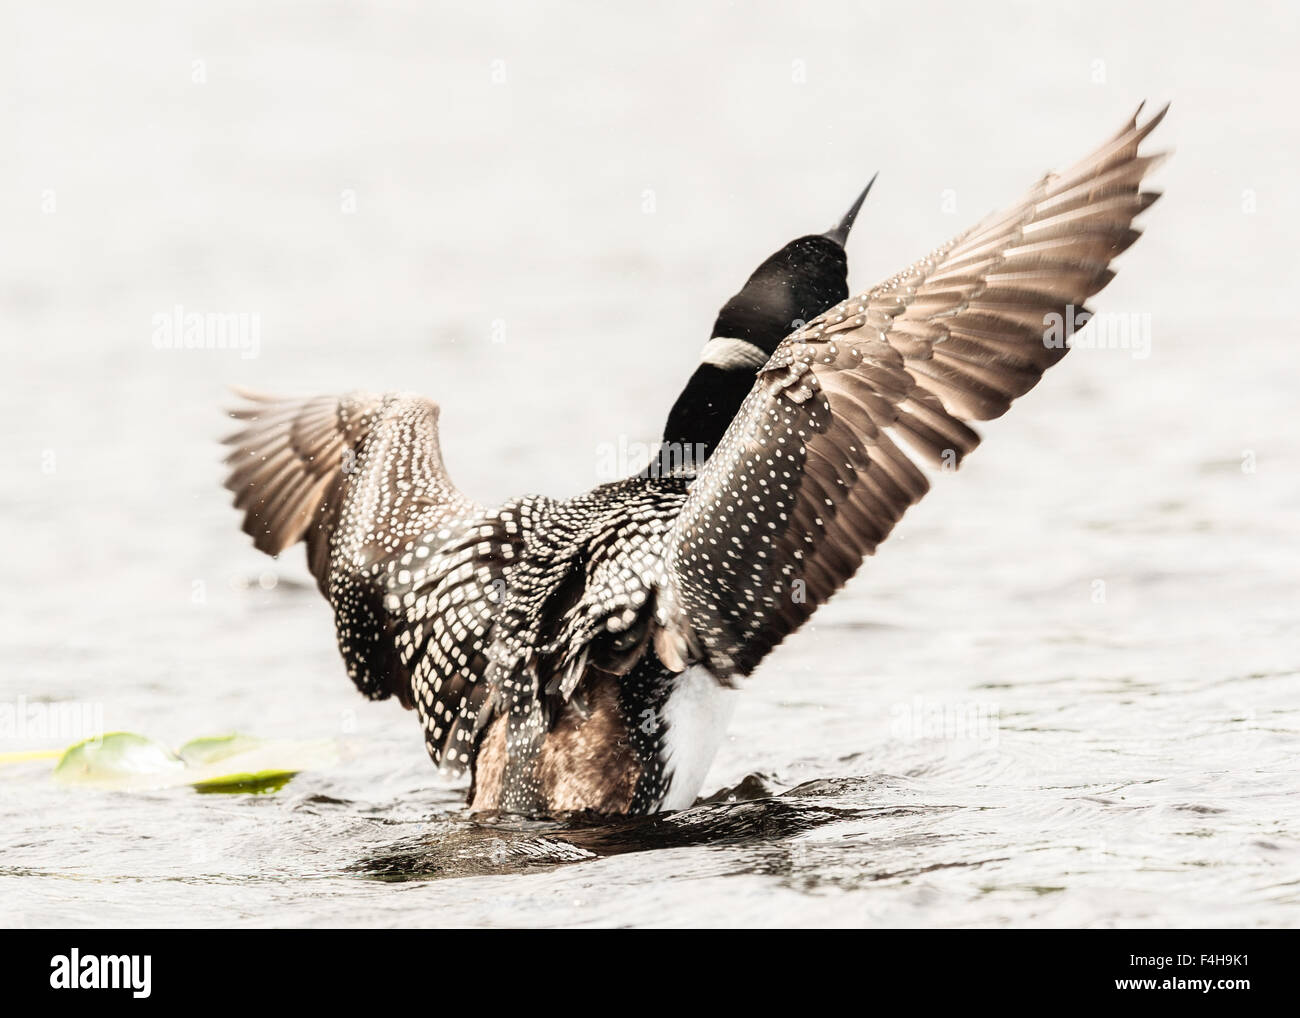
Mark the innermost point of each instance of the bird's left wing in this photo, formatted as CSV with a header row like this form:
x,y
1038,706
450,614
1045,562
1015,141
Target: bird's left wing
x,y
808,479
413,569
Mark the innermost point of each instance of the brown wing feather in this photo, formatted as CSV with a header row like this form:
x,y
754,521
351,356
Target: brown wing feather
x,y
405,560
808,480
286,464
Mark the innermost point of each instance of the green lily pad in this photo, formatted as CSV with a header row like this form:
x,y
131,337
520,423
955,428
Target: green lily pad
x,y
203,753
211,748
253,783
217,763
120,760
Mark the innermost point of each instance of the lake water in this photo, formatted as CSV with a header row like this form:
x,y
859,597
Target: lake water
x,y
1066,692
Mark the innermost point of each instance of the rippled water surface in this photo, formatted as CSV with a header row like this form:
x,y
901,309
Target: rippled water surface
x,y
1066,692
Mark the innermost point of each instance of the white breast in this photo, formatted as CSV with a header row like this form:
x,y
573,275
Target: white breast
x,y
696,716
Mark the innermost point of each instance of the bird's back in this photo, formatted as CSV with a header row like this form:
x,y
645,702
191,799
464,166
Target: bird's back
x,y
572,678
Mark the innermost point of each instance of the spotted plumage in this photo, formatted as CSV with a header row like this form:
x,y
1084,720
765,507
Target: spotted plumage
x,y
578,653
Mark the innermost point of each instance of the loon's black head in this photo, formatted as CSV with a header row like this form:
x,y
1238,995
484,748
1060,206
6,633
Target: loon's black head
x,y
799,282
794,285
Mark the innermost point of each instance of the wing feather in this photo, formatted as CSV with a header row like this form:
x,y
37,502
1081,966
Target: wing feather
x,y
809,478
408,563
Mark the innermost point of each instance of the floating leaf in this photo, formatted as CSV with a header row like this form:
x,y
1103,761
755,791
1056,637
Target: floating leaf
x,y
211,748
256,767
217,763
254,783
119,760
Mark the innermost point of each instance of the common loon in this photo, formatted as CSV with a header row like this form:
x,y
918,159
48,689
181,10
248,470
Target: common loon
x,y
582,654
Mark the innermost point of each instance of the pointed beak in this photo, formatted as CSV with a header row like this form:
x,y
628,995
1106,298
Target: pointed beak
x,y
840,232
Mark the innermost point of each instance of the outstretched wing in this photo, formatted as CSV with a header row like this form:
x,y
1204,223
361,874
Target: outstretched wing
x,y
809,478
286,467
412,567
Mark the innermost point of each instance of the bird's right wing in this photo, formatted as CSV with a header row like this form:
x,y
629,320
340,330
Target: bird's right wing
x,y
808,478
412,567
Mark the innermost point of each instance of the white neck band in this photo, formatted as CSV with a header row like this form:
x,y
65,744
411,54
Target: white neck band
x,y
727,354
